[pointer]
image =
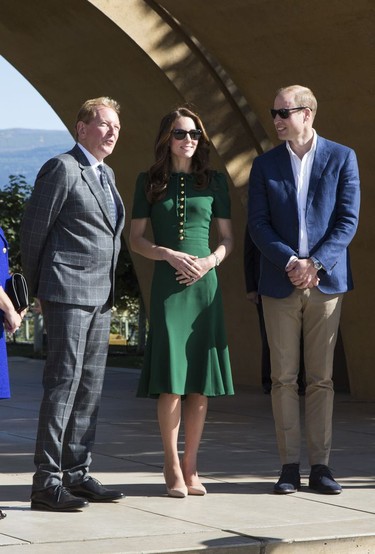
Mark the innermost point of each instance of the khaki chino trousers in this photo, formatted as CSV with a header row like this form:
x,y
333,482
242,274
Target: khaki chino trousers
x,y
316,316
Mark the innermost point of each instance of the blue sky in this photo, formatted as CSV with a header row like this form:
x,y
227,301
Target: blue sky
x,y
22,105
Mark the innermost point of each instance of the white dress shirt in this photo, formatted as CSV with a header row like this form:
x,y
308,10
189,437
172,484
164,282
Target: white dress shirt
x,y
302,173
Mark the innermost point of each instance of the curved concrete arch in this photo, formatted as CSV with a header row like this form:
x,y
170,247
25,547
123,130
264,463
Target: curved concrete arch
x,y
198,81
227,60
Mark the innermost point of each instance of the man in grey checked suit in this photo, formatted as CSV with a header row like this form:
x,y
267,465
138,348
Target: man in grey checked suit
x,y
70,241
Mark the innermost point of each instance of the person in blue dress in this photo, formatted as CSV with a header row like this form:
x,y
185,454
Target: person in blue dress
x,y
10,320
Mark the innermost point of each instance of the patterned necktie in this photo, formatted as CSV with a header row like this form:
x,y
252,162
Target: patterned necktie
x,y
107,190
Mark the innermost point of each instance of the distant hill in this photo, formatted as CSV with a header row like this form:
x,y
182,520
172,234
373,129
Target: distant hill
x,y
24,151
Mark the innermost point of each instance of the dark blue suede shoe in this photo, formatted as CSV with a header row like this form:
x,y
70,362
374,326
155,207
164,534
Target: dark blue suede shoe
x,y
290,480
322,481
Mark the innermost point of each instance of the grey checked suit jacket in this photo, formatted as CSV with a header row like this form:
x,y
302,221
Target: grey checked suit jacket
x,y
69,247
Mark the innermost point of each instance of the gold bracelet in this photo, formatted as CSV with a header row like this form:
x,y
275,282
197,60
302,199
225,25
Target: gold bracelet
x,y
217,259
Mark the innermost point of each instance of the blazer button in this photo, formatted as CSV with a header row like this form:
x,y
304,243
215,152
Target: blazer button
x,y
4,250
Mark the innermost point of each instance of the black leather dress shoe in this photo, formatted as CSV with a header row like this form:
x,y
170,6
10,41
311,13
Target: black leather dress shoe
x,y
290,480
321,480
94,491
57,499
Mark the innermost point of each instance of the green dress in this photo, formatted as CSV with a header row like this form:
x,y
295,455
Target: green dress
x,y
187,350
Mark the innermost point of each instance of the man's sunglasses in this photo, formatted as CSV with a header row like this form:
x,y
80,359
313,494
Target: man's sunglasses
x,y
180,134
285,112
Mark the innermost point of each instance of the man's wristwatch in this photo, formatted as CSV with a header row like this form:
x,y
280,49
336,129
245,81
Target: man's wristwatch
x,y
316,263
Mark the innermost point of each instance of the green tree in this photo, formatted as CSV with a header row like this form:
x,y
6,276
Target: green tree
x,y
13,198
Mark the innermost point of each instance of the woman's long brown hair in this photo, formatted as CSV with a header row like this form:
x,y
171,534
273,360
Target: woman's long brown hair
x,y
160,171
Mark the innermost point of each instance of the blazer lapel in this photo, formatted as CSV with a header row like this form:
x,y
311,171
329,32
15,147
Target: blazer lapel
x,y
117,198
320,162
285,168
90,177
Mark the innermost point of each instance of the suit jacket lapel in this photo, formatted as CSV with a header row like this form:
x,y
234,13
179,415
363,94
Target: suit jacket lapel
x,y
117,198
320,161
90,176
285,168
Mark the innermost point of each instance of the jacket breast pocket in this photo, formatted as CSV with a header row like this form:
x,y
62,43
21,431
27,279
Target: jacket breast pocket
x,y
73,259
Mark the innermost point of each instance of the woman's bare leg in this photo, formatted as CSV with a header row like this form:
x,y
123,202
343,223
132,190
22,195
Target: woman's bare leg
x,y
195,410
169,416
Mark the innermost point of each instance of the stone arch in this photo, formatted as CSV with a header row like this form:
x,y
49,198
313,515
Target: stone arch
x,y
228,61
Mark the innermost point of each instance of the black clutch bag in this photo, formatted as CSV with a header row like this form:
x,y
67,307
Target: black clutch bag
x,y
16,289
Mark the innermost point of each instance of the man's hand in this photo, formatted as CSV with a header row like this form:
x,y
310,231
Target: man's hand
x,y
302,274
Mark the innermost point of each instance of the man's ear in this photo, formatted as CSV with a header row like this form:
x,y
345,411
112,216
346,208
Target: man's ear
x,y
309,115
81,129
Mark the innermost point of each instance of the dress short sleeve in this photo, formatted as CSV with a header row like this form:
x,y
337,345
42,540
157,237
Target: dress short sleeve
x,y
141,206
222,206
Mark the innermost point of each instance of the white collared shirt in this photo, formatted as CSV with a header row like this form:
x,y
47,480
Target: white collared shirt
x,y
92,160
94,163
302,173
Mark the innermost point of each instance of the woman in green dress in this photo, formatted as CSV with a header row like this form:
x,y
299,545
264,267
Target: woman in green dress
x,y
187,353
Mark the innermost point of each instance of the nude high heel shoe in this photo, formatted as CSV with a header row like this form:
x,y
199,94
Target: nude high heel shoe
x,y
180,492
197,490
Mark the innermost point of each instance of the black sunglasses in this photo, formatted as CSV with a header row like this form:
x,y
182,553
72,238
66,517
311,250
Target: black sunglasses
x,y
285,112
180,134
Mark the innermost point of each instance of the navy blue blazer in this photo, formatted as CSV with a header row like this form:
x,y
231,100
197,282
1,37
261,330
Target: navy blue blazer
x,y
332,211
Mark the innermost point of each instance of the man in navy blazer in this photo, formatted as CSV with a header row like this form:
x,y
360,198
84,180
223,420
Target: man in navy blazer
x,y
70,241
302,214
